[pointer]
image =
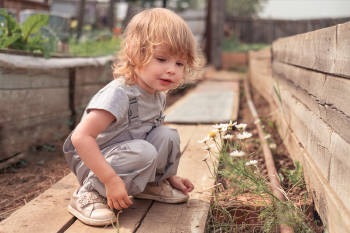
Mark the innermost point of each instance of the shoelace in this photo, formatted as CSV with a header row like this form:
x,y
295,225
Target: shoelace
x,y
90,198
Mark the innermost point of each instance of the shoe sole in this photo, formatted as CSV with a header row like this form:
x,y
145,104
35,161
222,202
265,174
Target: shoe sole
x,y
161,199
90,221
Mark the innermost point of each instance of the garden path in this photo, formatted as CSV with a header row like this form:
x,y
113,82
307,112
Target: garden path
x,y
47,212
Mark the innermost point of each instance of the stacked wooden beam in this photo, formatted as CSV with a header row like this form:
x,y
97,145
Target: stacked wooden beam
x,y
310,89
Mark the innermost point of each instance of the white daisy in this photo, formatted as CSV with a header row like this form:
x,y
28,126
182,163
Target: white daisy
x,y
251,162
228,136
208,147
244,135
237,153
273,146
204,140
241,126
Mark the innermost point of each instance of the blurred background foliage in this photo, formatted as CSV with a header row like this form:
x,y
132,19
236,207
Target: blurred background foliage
x,y
244,7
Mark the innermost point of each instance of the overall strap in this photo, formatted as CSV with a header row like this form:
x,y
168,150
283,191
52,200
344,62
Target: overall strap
x,y
133,112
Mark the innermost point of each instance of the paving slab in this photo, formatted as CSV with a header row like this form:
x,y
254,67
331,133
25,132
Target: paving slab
x,y
209,102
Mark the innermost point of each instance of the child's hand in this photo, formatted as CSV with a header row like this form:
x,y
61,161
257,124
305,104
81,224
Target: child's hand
x,y
181,184
117,195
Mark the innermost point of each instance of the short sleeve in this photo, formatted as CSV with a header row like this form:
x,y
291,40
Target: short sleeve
x,y
112,99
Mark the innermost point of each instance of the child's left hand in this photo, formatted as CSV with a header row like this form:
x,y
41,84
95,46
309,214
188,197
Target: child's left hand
x,y
181,184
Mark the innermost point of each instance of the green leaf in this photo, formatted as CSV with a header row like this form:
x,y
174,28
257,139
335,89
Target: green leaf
x,y
6,43
33,24
10,27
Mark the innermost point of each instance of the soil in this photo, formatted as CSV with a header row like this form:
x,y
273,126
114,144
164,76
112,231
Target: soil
x,y
40,169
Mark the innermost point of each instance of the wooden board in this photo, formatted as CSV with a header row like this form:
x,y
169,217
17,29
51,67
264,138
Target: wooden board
x,y
328,89
190,217
15,79
325,147
17,105
328,101
42,130
326,50
260,72
40,63
129,219
331,209
46,213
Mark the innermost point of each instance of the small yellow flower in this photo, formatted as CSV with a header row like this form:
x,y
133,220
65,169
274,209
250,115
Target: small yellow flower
x,y
74,23
212,134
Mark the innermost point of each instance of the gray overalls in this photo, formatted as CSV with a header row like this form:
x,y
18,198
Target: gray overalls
x,y
144,151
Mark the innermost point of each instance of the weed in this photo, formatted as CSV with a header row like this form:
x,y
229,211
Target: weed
x,y
295,176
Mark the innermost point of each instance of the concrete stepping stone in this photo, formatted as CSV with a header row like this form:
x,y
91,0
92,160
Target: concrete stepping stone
x,y
209,102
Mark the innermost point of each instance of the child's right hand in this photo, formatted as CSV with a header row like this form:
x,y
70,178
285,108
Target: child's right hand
x,y
117,195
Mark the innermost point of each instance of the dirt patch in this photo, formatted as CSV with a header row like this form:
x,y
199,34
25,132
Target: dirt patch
x,y
42,167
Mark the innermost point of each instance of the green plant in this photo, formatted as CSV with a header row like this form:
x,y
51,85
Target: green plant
x,y
26,37
244,7
95,44
276,89
295,176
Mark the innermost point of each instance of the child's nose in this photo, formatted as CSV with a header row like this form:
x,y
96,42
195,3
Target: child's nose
x,y
171,69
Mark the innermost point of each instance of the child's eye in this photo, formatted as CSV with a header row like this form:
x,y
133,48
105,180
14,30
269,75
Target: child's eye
x,y
179,64
161,59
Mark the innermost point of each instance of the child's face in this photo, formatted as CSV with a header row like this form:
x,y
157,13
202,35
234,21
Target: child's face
x,y
162,73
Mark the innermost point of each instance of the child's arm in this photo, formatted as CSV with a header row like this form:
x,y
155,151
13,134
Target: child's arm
x,y
84,141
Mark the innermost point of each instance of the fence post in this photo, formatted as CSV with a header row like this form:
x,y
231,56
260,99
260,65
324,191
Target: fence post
x,y
215,31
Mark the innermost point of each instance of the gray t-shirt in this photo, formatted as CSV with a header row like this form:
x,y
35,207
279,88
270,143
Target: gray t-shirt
x,y
136,112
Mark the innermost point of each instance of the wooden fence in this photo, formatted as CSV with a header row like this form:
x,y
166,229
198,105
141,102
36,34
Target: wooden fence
x,y
252,30
40,99
306,80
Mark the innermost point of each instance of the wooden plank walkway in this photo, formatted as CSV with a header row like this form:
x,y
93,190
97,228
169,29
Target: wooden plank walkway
x,y
47,213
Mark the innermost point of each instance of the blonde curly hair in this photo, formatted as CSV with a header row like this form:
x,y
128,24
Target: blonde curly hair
x,y
150,28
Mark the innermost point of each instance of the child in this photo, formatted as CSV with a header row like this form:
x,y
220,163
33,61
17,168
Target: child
x,y
120,147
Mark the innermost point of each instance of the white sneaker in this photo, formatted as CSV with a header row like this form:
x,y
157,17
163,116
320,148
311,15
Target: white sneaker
x,y
163,192
91,208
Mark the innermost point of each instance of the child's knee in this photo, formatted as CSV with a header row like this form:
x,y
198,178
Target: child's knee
x,y
147,151
162,133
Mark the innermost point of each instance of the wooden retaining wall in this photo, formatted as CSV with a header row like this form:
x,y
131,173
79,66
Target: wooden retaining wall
x,y
41,100
307,82
252,30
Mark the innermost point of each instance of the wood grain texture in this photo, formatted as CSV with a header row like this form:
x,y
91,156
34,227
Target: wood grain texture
x,y
19,136
326,50
46,213
331,209
260,72
325,147
128,220
322,94
14,79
